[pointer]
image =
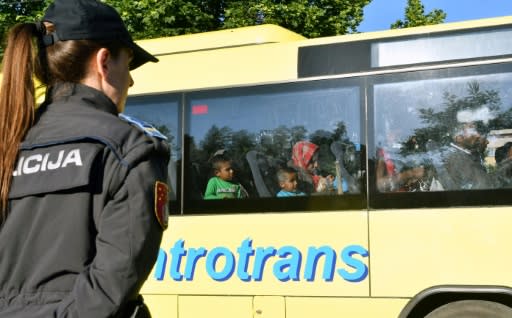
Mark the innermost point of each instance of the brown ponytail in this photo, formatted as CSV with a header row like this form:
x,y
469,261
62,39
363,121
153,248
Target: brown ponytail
x,y
17,102
24,58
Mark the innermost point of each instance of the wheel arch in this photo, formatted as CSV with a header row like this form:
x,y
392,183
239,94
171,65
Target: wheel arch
x,y
436,296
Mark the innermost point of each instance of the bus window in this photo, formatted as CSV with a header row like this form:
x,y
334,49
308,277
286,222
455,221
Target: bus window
x,y
438,48
439,130
161,112
314,128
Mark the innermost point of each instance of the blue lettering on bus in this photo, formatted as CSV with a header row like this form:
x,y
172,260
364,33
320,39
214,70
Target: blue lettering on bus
x,y
160,265
193,256
314,255
245,251
211,261
361,270
290,260
262,255
177,251
287,262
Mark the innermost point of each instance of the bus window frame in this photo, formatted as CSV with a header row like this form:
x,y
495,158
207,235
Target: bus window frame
x,y
440,199
141,101
296,204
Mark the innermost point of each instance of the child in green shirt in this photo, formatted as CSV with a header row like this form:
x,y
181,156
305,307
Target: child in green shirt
x,y
220,186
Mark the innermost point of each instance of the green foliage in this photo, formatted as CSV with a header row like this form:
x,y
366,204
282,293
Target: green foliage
x,y
13,12
440,125
309,18
156,18
415,16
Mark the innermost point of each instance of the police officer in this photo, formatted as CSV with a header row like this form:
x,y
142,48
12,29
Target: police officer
x,y
83,193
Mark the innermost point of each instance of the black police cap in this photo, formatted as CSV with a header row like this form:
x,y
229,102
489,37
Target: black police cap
x,y
91,20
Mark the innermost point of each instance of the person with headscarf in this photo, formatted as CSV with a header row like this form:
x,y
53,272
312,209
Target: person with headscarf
x,y
305,161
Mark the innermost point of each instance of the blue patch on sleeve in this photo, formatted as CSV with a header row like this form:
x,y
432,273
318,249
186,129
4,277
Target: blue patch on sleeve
x,y
145,127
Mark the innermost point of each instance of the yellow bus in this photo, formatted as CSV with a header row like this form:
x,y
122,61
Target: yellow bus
x,y
398,209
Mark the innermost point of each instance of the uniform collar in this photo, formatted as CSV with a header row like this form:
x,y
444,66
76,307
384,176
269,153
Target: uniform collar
x,y
73,91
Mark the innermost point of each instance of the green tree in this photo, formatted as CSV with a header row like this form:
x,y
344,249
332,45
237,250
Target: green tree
x,y
297,133
242,142
440,125
12,12
156,18
307,17
216,139
415,16
282,141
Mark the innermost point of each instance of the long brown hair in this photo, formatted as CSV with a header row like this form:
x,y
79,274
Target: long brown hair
x,y
24,57
17,102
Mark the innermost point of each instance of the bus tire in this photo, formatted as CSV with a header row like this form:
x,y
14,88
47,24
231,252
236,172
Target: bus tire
x,y
471,309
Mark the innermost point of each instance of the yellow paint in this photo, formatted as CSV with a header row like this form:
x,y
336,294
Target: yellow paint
x,y
162,306
252,35
307,307
269,307
217,68
415,249
214,307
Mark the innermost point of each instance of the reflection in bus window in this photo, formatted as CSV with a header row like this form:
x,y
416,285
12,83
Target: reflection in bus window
x,y
162,112
265,129
442,134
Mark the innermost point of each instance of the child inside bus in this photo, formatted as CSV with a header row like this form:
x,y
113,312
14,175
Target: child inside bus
x,y
287,178
221,185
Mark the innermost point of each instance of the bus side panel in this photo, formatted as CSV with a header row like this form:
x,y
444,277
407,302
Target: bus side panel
x,y
299,254
264,63
269,307
303,307
165,306
415,249
215,307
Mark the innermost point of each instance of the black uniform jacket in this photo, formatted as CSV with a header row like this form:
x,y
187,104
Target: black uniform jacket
x,y
82,233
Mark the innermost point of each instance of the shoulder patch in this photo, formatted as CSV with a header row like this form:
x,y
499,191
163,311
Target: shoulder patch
x,y
148,129
161,203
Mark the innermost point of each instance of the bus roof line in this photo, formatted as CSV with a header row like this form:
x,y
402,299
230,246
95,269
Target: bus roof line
x,y
251,35
214,48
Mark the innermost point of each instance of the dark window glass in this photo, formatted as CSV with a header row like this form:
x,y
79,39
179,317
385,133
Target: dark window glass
x,y
163,113
444,131
275,147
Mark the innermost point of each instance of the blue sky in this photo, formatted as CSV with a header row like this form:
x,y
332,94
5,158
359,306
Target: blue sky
x,y
380,14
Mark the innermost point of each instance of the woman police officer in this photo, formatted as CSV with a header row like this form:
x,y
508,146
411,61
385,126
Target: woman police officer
x,y
83,193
